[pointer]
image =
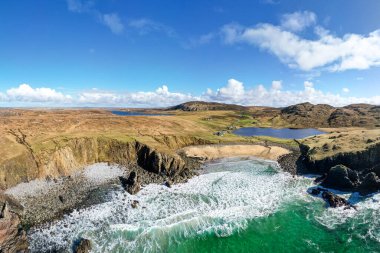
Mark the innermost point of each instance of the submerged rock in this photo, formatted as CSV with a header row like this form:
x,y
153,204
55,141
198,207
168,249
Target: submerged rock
x,y
84,246
132,184
341,177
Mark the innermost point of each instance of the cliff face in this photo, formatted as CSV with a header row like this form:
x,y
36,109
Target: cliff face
x,y
357,160
12,236
70,155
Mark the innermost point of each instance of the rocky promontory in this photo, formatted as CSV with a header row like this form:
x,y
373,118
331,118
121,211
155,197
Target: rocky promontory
x,y
347,161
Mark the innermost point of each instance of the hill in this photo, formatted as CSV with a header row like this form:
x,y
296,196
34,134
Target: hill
x,y
322,115
207,106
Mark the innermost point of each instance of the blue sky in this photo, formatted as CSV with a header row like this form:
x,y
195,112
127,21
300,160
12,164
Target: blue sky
x,y
159,53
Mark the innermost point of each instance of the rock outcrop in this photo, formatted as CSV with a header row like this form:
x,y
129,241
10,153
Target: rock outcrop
x,y
370,184
331,199
132,184
12,235
83,246
341,177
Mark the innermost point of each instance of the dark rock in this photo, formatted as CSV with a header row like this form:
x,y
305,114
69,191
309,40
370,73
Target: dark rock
x,y
341,177
12,235
370,184
376,169
331,199
60,197
135,203
321,178
315,191
334,200
84,246
168,184
132,184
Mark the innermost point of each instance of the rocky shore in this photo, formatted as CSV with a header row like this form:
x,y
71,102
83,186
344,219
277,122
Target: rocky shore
x,y
50,198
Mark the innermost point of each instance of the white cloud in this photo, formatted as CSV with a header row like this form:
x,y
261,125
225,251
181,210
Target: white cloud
x,y
351,51
276,85
25,93
76,6
113,22
233,92
3,98
298,21
145,26
346,90
275,96
160,97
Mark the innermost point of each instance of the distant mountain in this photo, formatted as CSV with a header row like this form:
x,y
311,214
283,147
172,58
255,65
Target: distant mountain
x,y
207,106
322,115
300,115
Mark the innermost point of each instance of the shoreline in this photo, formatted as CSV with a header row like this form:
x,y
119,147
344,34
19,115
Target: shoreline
x,y
47,200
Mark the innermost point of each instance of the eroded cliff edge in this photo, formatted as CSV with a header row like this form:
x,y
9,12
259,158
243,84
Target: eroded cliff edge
x,y
62,157
347,161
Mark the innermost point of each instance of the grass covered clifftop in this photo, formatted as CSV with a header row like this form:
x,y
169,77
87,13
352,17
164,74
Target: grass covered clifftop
x,y
36,143
358,149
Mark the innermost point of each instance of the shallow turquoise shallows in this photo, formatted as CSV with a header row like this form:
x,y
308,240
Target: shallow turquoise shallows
x,y
237,205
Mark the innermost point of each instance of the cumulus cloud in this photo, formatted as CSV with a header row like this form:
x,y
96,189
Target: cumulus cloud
x,y
298,21
25,93
351,51
3,98
346,90
276,85
113,22
233,92
160,97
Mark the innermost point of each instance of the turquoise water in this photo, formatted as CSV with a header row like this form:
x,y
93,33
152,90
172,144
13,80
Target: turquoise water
x,y
235,206
288,133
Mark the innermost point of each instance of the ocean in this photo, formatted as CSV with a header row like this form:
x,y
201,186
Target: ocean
x,y
235,205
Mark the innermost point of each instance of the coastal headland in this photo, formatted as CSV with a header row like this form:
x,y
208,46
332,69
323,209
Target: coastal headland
x,y
55,146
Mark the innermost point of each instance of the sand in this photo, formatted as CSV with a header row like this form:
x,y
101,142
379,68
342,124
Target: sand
x,y
211,152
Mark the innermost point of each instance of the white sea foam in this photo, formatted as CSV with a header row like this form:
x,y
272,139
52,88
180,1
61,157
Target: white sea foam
x,y
363,222
219,202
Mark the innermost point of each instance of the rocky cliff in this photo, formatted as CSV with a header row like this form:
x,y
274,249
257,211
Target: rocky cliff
x,y
347,161
356,160
12,235
65,156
